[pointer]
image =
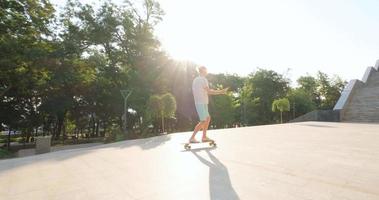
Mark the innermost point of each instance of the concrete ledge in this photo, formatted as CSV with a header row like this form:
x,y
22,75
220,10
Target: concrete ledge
x,y
43,144
319,115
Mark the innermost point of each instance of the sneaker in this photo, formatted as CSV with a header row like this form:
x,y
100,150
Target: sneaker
x,y
206,139
193,140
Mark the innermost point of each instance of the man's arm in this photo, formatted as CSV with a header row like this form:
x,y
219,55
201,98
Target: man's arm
x,y
215,92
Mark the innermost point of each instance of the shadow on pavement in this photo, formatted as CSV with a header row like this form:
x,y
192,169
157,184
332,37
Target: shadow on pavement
x,y
316,125
199,149
145,144
220,186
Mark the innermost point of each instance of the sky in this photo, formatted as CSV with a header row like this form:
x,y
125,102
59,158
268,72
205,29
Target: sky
x,y
291,37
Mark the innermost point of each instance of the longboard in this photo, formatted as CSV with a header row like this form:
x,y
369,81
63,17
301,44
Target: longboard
x,y
187,145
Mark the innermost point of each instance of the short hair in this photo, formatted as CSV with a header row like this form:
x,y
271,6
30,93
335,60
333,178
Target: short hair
x,y
202,68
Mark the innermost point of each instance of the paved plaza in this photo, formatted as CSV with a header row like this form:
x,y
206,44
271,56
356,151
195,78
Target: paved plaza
x,y
299,161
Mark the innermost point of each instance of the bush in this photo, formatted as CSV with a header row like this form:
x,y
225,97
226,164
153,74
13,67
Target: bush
x,y
20,140
115,135
146,134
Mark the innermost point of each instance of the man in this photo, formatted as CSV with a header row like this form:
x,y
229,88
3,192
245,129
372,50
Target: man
x,y
201,90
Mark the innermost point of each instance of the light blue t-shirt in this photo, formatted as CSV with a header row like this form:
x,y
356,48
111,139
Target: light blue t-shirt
x,y
199,93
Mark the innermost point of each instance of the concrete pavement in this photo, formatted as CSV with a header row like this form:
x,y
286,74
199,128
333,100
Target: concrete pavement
x,y
310,160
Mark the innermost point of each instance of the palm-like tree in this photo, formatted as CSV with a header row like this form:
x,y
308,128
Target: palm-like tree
x,y
281,105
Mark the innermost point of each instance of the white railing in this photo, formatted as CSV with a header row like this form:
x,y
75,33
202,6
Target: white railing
x,y
346,94
367,74
377,65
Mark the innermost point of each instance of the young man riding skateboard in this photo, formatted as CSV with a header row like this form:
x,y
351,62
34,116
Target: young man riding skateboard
x,y
201,90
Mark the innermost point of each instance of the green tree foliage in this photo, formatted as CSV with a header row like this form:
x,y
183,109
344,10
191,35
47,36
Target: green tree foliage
x,y
309,84
77,69
62,74
177,78
245,106
330,90
281,105
301,102
222,111
232,81
24,52
161,107
323,90
265,86
225,109
169,105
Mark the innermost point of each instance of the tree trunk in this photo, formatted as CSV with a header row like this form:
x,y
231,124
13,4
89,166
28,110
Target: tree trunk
x,y
35,134
90,127
120,122
281,117
9,138
162,124
24,135
28,134
93,128
97,128
55,128
60,126
75,139
105,129
63,132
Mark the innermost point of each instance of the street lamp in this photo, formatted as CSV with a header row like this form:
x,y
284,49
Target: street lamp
x,y
125,94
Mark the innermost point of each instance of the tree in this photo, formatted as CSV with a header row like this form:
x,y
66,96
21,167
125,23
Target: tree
x,y
177,78
64,73
231,81
301,102
169,107
222,111
309,84
161,107
323,90
281,105
265,86
25,48
119,43
330,89
246,105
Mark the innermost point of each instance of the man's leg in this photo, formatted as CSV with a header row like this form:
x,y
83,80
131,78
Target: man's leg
x,y
199,126
206,125
202,111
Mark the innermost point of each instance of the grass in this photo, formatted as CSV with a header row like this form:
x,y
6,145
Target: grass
x,y
5,154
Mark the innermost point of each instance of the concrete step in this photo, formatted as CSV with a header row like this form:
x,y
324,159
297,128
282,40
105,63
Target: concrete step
x,y
364,105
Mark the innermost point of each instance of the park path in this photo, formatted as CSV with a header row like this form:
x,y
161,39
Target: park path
x,y
310,160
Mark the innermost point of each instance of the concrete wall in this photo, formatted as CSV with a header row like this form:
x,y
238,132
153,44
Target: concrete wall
x,y
364,102
320,115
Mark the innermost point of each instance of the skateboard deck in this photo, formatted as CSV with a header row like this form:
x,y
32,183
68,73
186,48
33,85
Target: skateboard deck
x,y
188,145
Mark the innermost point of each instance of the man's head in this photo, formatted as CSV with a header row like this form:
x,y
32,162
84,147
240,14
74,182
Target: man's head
x,y
203,71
